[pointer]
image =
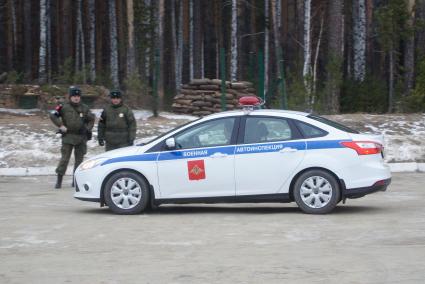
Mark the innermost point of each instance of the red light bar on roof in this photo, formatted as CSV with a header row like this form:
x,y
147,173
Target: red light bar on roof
x,y
250,101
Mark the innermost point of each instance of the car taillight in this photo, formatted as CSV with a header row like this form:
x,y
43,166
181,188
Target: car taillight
x,y
363,147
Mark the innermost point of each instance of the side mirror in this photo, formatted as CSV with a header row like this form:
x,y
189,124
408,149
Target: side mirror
x,y
170,143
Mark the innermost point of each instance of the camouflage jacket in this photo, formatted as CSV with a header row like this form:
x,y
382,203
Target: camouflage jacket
x,y
117,125
78,120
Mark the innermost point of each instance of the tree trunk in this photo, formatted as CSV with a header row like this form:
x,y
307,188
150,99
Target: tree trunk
x,y
335,54
3,35
113,44
66,32
14,30
266,46
173,74
159,45
191,34
42,75
131,52
391,82
147,36
197,40
409,51
78,39
315,65
92,23
359,39
210,39
420,33
307,47
179,51
49,41
234,43
27,41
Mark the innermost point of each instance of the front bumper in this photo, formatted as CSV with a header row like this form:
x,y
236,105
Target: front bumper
x,y
88,184
362,191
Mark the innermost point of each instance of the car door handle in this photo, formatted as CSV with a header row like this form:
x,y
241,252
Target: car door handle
x,y
288,150
218,155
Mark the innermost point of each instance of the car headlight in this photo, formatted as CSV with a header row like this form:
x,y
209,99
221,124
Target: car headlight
x,y
91,163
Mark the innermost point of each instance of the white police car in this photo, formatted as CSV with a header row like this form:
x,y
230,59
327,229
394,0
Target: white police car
x,y
248,155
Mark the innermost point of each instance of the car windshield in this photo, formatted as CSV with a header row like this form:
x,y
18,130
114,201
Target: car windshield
x,y
332,123
166,133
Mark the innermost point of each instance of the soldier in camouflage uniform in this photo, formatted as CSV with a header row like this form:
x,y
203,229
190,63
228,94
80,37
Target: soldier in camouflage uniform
x,y
75,122
117,125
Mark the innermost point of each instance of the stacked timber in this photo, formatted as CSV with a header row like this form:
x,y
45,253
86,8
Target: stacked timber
x,y
203,96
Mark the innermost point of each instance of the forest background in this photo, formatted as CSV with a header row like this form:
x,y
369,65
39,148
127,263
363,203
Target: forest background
x,y
326,56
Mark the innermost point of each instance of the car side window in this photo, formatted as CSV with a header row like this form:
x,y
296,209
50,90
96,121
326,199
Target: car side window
x,y
266,129
310,131
211,133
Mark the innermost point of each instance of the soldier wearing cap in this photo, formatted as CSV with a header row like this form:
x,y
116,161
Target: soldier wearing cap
x,y
117,125
75,122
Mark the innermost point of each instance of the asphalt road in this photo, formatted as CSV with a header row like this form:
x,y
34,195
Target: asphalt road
x,y
46,236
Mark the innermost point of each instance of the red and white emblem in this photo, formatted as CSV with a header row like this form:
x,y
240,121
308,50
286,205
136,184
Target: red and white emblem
x,y
196,169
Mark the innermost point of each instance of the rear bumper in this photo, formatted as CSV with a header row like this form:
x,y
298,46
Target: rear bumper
x,y
362,191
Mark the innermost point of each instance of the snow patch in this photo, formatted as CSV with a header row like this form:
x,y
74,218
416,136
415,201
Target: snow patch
x,y
26,112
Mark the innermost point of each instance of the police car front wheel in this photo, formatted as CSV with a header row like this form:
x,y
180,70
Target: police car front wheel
x,y
126,193
316,192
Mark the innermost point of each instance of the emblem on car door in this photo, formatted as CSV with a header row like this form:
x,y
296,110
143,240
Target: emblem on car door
x,y
196,169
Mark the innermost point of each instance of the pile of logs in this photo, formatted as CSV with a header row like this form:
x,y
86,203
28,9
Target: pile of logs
x,y
203,96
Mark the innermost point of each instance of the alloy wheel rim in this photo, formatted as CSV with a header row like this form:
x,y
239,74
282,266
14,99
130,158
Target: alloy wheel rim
x,y
316,192
126,193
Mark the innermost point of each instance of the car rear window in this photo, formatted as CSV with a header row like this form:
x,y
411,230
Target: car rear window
x,y
310,131
333,124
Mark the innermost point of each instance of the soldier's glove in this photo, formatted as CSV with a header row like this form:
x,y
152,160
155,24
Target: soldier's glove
x,y
89,135
101,142
63,129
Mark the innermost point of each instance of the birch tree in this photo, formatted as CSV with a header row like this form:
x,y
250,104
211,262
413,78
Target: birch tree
x,y
113,44
359,39
92,22
307,46
234,42
42,75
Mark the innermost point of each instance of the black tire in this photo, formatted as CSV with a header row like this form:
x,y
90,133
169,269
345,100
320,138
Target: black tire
x,y
318,201
139,190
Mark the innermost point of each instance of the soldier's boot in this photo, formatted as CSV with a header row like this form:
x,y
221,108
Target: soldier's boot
x,y
58,181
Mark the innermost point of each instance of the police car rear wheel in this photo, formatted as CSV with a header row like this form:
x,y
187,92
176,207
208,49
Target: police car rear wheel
x,y
126,193
316,192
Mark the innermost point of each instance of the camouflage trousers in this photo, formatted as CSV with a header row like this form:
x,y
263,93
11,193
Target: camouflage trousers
x,y
79,151
109,146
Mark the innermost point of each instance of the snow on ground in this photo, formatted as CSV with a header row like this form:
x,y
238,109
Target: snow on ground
x,y
404,134
32,141
28,140
19,111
